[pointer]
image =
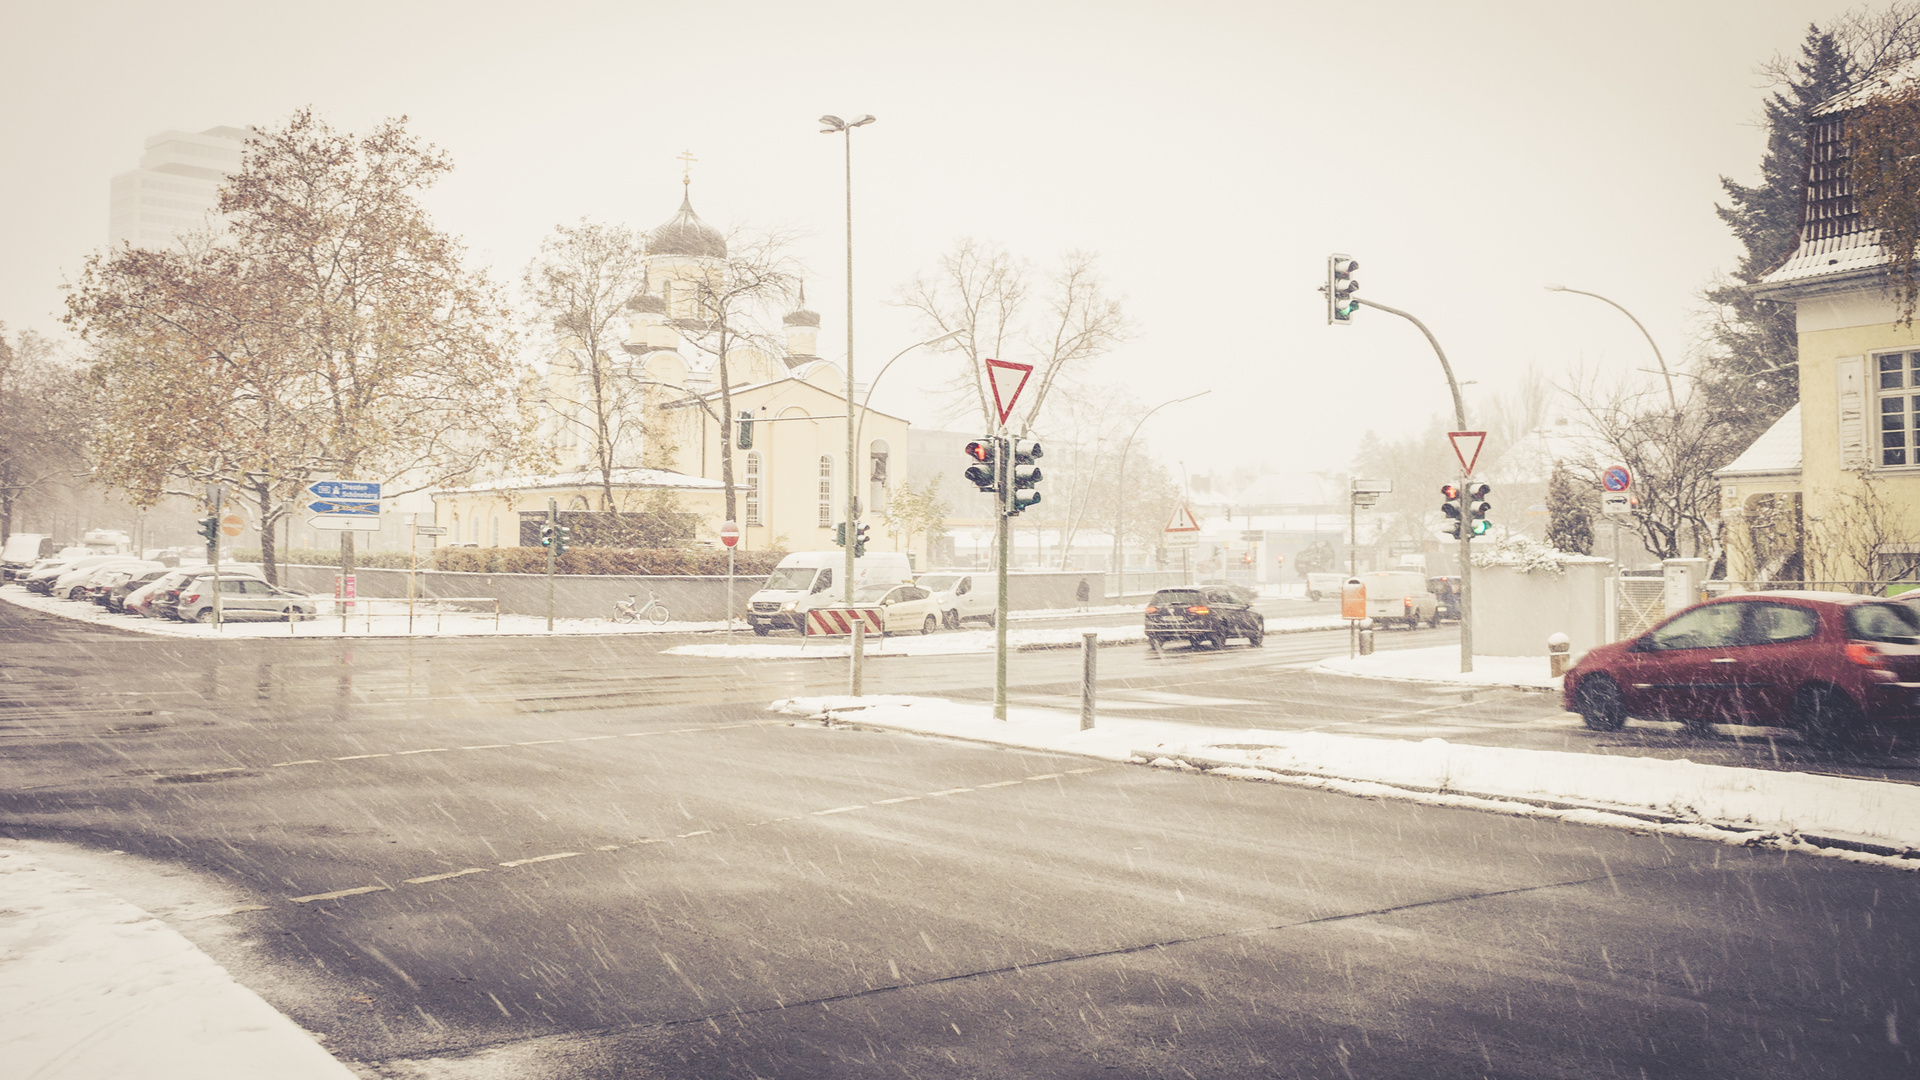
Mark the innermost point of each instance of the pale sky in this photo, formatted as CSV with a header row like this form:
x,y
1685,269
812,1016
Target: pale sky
x,y
1213,154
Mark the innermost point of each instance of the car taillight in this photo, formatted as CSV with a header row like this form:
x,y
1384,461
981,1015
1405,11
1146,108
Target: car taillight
x,y
189,598
1151,610
1407,604
1199,609
1866,654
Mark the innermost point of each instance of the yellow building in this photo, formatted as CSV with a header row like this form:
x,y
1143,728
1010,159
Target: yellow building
x,y
670,435
1857,484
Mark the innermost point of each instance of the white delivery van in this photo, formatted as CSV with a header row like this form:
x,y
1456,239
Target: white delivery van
x,y
1325,586
1400,596
960,595
22,551
806,580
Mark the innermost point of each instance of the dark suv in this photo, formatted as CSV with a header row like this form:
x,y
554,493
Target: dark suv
x,y
1207,615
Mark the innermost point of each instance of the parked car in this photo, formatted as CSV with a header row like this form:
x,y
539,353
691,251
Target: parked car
x,y
241,597
1206,615
1446,593
116,597
21,551
1833,665
40,579
72,584
157,601
904,609
1400,596
960,595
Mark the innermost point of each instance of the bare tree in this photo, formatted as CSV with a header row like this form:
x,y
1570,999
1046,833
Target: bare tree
x,y
43,413
989,295
1859,534
582,284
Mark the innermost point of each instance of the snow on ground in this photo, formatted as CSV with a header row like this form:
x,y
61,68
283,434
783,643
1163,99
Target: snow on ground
x,y
1715,802
370,618
1441,663
92,987
791,646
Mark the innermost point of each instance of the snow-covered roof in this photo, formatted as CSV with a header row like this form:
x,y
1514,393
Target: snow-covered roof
x,y
1894,79
622,478
1775,453
1836,257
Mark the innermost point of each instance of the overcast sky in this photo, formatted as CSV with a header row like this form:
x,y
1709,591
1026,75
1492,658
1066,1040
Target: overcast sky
x,y
1213,154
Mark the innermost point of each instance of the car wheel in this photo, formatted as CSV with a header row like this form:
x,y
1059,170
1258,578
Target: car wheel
x,y
1217,640
1259,635
929,626
204,615
1433,620
1826,717
1600,703
950,619
77,593
1313,594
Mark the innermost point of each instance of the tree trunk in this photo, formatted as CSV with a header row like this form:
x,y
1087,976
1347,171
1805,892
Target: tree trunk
x,y
263,492
727,423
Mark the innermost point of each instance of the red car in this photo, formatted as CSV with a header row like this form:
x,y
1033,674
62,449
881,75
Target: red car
x,y
1834,665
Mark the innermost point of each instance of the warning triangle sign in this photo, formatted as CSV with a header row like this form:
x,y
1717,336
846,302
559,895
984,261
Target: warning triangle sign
x,y
1007,379
1182,521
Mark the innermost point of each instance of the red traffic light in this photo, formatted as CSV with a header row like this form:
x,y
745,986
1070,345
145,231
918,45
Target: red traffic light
x,y
980,451
1449,491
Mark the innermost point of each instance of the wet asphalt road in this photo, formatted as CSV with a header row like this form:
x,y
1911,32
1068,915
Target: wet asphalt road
x,y
542,859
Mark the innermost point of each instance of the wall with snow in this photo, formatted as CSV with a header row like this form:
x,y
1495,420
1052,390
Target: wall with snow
x,y
1514,613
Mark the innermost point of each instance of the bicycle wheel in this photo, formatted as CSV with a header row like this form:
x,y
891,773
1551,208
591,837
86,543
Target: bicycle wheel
x,y
624,615
657,613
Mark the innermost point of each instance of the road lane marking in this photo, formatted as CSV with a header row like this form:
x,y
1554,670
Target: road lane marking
x,y
488,746
304,761
949,791
435,750
445,876
903,798
338,893
542,858
539,742
696,832
1077,772
1002,783
358,757
608,847
839,810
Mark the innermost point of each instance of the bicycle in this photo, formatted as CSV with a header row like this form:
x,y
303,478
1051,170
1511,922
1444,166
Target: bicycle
x,y
654,610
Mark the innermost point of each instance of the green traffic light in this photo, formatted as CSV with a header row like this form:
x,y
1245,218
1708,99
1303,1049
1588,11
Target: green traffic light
x,y
1482,527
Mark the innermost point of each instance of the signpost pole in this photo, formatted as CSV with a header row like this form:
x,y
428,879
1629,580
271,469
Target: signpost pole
x,y
730,536
553,534
219,496
1003,484
413,569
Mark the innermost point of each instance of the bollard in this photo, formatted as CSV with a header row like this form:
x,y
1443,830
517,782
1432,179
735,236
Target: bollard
x,y
1558,649
1366,637
1090,654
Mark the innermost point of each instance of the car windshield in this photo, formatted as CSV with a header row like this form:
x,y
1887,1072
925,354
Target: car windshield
x,y
791,578
1883,622
937,582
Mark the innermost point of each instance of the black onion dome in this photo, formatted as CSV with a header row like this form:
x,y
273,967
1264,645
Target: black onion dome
x,y
686,234
800,316
646,304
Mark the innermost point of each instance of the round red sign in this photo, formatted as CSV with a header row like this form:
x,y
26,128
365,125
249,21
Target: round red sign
x,y
729,534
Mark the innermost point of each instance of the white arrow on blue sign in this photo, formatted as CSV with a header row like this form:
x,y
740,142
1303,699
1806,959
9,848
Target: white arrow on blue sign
x,y
368,508
359,490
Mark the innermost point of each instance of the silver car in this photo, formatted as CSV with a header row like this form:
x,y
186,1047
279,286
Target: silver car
x,y
241,597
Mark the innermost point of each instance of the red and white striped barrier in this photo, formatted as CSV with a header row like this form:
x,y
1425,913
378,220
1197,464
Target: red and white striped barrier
x,y
838,621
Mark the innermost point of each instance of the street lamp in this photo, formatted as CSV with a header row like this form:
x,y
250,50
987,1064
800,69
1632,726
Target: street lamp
x,y
861,432
832,125
1672,398
1120,495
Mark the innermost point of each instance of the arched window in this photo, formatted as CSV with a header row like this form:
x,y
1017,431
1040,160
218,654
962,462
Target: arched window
x,y
826,491
579,503
494,534
753,489
878,479
473,530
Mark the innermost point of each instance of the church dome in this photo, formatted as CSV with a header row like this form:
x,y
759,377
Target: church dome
x,y
646,304
686,234
800,316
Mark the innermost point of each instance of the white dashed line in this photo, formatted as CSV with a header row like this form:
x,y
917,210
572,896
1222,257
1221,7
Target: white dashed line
x,y
949,791
489,746
539,742
696,832
1078,772
284,764
435,750
359,757
542,858
1045,776
903,798
450,874
1003,783
839,810
337,894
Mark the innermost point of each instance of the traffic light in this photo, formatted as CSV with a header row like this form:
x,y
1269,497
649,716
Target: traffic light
x,y
860,540
1477,507
1451,508
743,430
981,472
546,534
1026,476
840,535
562,536
210,528
1341,285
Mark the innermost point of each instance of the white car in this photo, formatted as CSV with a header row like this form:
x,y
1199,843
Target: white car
x,y
904,609
960,595
73,584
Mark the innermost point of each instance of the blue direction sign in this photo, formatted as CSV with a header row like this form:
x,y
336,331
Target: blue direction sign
x,y
370,509
357,490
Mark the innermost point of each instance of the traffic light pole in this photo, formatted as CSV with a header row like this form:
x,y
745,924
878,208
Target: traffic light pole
x,y
1466,530
1002,493
553,535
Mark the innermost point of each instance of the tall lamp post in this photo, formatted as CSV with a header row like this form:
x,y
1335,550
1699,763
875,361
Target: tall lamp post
x,y
1120,496
834,125
1672,398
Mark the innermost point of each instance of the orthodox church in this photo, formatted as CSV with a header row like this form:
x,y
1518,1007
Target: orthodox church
x,y
670,437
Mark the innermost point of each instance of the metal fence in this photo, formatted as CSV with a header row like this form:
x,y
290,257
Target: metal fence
x,y
1858,588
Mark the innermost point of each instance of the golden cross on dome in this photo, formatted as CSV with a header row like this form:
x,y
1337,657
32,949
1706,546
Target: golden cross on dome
x,y
686,167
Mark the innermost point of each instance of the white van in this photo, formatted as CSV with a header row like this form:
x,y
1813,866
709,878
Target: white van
x,y
22,550
960,595
1400,596
805,580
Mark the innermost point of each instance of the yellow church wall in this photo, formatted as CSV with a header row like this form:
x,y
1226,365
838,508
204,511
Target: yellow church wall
x,y
1829,487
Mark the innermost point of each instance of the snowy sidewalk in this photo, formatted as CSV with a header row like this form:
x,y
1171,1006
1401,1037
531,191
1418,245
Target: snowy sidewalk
x,y
93,988
1860,819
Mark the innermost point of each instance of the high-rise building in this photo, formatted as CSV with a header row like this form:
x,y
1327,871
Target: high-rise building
x,y
176,188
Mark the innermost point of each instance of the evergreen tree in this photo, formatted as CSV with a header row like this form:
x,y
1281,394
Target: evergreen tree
x,y
1569,513
1751,335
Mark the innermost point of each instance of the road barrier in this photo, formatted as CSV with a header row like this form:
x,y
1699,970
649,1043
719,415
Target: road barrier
x,y
839,621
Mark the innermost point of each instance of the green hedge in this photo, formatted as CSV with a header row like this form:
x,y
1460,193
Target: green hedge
x,y
533,560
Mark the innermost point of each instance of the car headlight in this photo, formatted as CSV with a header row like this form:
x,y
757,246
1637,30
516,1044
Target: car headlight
x,y
789,605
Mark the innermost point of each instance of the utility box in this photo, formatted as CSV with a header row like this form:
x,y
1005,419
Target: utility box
x,y
1683,579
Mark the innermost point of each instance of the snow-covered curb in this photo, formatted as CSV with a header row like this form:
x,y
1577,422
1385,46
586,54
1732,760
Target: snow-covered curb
x,y
1441,663
389,619
91,986
1862,819
950,643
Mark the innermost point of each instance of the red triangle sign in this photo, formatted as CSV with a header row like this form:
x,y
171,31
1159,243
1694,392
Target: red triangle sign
x,y
1182,521
1007,379
1466,447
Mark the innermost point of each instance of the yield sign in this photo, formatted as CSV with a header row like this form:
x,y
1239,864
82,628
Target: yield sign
x,y
1182,521
1008,379
1466,447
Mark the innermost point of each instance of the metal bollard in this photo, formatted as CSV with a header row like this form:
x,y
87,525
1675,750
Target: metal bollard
x,y
1366,637
1558,650
1090,654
